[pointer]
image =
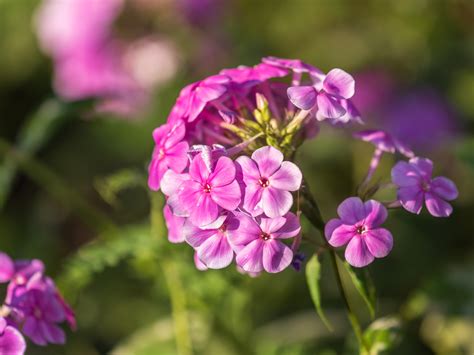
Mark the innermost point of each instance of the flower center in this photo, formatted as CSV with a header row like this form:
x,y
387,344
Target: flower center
x,y
265,236
223,228
361,229
264,182
207,188
20,280
425,186
161,153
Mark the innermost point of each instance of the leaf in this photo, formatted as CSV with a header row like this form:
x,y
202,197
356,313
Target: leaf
x,y
383,334
313,274
110,186
364,287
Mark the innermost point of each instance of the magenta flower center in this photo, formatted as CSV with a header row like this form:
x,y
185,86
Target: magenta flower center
x,y
361,229
265,236
207,188
264,182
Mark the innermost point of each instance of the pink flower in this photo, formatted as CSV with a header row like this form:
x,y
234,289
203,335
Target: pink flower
x,y
207,192
268,180
385,142
11,340
358,227
169,153
211,244
416,185
327,96
257,242
256,74
174,224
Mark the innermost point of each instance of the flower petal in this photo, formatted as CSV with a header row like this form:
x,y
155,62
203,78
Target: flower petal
x,y
250,257
424,166
270,225
216,252
303,97
7,268
32,330
276,203
339,83
357,254
351,210
290,229
404,174
174,225
288,177
437,206
330,226
379,242
276,256
205,211
228,197
411,198
247,231
177,158
253,195
12,342
171,182
342,235
249,169
444,188
223,174
198,170
329,106
268,160
375,212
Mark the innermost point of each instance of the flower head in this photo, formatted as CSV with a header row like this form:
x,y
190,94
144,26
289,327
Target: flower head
x,y
258,244
358,226
11,340
268,181
415,185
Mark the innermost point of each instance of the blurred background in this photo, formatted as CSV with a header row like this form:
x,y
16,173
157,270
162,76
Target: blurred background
x,y
84,82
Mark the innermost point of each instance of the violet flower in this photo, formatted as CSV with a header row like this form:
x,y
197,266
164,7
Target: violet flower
x,y
258,244
170,152
268,181
11,340
415,185
358,226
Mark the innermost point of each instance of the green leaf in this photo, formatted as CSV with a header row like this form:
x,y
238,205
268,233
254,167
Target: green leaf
x,y
383,334
110,186
313,274
364,287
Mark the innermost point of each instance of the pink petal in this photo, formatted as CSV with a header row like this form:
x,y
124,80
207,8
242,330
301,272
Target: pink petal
x,y
223,174
437,206
357,254
209,92
270,225
303,97
444,188
253,195
342,235
228,197
156,170
404,174
249,169
379,242
177,158
276,203
424,166
250,257
198,263
330,226
174,224
339,83
288,177
198,169
171,182
216,252
276,256
196,106
247,231
351,210
12,342
268,159
375,212
411,198
290,229
189,196
7,269
176,205
32,330
176,132
329,106
195,236
205,211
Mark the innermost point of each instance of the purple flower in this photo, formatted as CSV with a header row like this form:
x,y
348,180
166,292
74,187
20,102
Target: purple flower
x,y
255,75
257,242
327,97
211,244
358,227
11,340
268,180
174,224
385,142
170,152
416,185
207,191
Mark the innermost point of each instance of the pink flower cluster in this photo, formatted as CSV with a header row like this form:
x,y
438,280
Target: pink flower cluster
x,y
32,307
224,159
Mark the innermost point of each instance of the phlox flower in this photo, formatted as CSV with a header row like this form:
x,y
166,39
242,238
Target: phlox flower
x,y
258,244
170,152
174,224
415,185
11,340
211,244
268,181
384,142
358,226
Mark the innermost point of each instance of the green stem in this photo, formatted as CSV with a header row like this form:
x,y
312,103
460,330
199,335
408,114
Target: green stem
x,y
311,211
55,186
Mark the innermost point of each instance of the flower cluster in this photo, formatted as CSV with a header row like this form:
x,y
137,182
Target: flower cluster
x,y
32,307
224,160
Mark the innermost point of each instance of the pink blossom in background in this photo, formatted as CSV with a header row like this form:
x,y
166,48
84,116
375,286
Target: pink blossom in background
x,y
416,185
384,141
11,340
358,226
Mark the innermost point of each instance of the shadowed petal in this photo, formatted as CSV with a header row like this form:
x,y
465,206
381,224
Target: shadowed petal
x,y
437,206
253,195
223,174
7,269
270,225
444,188
290,229
411,198
268,160
276,203
195,236
357,254
340,83
32,330
330,226
198,169
12,342
276,256
249,169
375,212
404,174
342,235
288,177
424,166
171,182
248,231
351,210
176,157
228,196
329,106
216,252
303,97
205,211
250,257
156,170
53,333
379,242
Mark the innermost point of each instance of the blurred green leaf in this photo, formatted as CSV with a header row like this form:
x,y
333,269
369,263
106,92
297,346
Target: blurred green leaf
x,y
313,274
383,334
110,186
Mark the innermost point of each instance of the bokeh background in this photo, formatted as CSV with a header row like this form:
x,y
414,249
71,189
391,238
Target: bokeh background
x,y
80,163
